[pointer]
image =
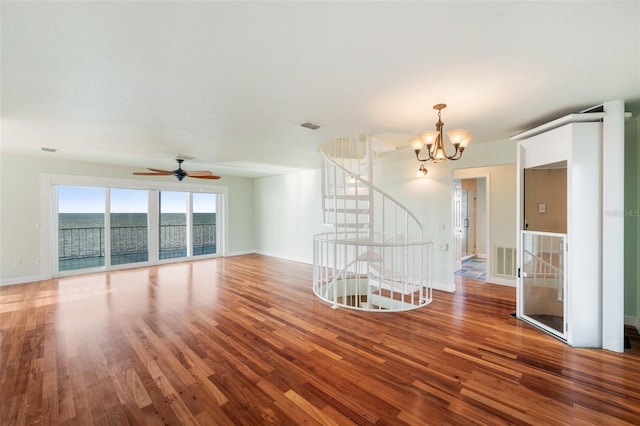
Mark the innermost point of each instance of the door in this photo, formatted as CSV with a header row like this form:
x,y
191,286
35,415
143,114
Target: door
x,y
469,213
129,225
543,275
457,225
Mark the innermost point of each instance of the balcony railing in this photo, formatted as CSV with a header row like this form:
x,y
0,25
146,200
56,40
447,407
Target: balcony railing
x,y
74,243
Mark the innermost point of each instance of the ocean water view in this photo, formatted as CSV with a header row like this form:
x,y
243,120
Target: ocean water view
x,y
91,220
81,237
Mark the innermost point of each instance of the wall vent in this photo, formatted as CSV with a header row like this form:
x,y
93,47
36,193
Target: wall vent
x,y
45,149
310,125
506,261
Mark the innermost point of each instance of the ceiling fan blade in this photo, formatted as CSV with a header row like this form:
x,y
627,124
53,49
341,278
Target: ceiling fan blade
x,y
152,173
168,172
198,174
206,177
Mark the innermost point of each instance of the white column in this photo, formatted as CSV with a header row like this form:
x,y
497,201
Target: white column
x,y
613,227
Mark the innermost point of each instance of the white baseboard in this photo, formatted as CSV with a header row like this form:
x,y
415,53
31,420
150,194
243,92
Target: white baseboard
x,y
22,280
279,256
481,256
449,288
238,253
631,321
511,282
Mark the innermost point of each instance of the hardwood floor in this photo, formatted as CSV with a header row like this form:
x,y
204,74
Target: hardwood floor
x,y
243,340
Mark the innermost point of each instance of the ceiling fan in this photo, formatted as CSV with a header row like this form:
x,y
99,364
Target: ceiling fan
x,y
179,173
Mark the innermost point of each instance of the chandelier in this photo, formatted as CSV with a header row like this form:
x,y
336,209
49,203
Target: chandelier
x,y
433,140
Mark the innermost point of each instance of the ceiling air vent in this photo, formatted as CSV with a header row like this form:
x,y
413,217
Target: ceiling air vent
x,y
45,149
310,125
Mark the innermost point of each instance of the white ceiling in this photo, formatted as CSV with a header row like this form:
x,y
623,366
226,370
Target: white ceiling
x,y
228,83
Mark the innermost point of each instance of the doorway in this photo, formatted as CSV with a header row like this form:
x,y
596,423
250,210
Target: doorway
x,y
470,227
543,241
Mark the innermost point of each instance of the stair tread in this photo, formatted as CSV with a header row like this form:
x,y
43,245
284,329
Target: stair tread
x,y
353,225
354,211
360,197
384,301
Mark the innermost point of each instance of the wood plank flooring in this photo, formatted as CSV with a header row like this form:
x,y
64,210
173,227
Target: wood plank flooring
x,y
243,341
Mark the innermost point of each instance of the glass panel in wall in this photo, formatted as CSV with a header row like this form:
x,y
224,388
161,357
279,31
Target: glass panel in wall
x,y
129,225
173,224
81,213
543,283
203,233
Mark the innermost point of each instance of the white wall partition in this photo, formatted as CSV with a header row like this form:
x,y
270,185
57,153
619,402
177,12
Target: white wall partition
x,y
580,145
613,226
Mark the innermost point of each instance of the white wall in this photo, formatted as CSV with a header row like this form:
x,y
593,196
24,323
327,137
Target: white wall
x,y
20,206
481,217
287,207
289,214
430,197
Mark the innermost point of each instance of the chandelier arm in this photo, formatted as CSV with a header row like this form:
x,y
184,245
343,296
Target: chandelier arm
x,y
456,155
423,160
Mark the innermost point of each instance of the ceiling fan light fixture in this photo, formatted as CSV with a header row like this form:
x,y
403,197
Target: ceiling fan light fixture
x,y
179,173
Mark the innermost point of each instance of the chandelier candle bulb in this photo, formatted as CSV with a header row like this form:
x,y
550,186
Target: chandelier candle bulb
x,y
416,144
429,137
457,136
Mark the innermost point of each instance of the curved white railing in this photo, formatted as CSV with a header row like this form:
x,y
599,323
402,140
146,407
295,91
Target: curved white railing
x,y
375,259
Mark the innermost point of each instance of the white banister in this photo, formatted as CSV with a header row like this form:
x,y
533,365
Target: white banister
x,y
375,259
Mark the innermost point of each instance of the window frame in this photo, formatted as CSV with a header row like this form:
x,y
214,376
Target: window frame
x,y
49,220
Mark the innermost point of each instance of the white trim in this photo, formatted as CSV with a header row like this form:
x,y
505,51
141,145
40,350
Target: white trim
x,y
293,259
22,280
240,253
510,282
49,208
567,119
571,118
613,226
479,173
449,288
77,180
631,321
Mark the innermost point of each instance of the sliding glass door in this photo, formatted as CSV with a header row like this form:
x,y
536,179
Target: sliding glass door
x,y
203,233
115,227
173,224
81,233
129,227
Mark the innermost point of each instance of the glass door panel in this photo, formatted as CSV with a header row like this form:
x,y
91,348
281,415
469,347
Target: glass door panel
x,y
173,224
81,214
129,226
543,280
203,233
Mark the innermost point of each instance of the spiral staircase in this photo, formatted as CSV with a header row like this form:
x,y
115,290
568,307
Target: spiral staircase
x,y
374,259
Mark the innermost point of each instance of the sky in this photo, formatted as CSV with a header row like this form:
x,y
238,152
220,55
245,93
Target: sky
x,y
76,199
